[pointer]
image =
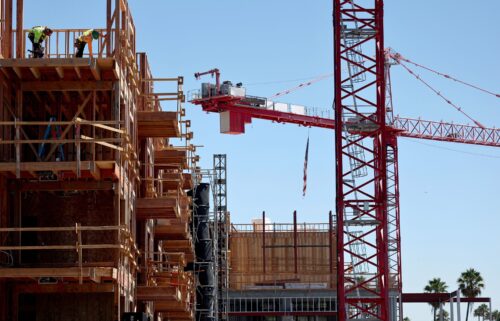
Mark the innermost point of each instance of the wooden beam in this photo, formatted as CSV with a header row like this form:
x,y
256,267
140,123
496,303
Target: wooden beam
x,y
19,30
64,288
67,272
78,73
60,62
68,128
165,207
171,232
66,85
55,166
158,124
7,36
67,186
17,70
95,70
109,23
6,73
171,157
60,72
158,293
35,72
177,246
118,29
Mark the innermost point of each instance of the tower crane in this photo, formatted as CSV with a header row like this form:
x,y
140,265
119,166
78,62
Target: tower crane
x,y
366,151
236,109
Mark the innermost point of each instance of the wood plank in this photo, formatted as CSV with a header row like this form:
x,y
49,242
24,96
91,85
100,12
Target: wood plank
x,y
95,69
164,207
185,246
66,85
157,116
17,70
158,124
64,288
60,72
66,272
171,181
178,231
158,293
171,157
67,186
78,72
36,72
27,63
57,166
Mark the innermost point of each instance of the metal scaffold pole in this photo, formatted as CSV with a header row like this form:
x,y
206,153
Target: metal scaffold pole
x,y
222,215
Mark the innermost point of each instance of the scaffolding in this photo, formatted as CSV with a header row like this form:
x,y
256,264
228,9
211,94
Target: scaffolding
x,y
223,221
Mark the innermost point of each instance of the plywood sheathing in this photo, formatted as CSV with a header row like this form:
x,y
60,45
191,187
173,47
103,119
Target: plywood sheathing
x,y
246,258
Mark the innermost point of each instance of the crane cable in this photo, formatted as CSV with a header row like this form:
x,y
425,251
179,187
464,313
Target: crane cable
x,y
441,95
282,81
399,57
300,86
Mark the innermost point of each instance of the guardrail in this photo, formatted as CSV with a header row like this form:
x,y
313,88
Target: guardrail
x,y
280,227
57,139
75,236
61,44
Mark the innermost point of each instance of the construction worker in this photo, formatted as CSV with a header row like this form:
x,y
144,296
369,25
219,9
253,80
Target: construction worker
x,y
86,38
37,35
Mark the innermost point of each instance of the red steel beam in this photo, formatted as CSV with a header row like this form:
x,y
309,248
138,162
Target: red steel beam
x,y
437,297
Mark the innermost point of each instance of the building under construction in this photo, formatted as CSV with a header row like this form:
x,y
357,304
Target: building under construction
x,y
94,179
106,215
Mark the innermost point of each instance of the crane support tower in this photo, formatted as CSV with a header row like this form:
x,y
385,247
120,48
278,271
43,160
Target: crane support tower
x,y
359,91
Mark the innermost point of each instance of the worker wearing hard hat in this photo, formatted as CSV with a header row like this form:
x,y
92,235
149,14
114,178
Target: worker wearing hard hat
x,y
86,38
37,35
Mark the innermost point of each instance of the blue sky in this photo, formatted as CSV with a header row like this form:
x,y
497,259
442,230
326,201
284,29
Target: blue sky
x,y
449,198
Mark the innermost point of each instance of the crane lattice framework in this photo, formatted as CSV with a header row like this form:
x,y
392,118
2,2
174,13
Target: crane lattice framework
x,y
362,201
222,226
366,149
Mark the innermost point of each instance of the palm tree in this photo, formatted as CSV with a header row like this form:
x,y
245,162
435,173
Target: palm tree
x,y
435,285
406,319
470,284
495,315
482,311
446,316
